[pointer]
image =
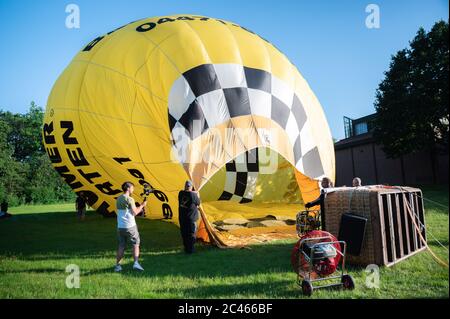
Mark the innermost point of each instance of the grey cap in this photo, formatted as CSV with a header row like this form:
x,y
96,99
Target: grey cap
x,y
188,184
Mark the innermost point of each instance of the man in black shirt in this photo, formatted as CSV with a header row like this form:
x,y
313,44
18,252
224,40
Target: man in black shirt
x,y
326,183
4,210
80,205
188,202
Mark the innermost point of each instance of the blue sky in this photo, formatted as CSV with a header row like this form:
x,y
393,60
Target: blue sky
x,y
342,60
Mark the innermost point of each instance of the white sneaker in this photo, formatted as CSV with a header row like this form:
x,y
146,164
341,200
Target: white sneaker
x,y
137,266
117,268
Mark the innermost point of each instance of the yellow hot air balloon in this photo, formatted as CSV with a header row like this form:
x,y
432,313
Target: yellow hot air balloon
x,y
166,99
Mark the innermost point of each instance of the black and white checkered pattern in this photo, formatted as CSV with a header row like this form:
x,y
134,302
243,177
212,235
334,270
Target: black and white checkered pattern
x,y
241,176
211,94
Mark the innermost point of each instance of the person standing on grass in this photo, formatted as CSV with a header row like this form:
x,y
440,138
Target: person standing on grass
x,y
80,206
188,202
4,210
126,225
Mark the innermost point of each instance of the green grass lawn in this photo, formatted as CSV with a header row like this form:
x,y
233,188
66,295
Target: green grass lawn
x,y
39,242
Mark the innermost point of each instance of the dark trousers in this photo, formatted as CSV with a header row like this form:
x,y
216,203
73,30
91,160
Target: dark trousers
x,y
188,229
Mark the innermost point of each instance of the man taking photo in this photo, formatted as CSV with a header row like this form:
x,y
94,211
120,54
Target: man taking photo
x,y
126,225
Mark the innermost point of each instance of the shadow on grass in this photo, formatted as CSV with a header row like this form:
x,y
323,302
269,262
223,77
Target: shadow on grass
x,y
278,288
58,236
62,235
57,239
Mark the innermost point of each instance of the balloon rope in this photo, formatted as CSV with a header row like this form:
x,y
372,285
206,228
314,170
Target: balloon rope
x,y
413,217
216,239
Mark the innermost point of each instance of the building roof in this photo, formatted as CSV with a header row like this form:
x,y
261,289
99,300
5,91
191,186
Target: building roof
x,y
356,140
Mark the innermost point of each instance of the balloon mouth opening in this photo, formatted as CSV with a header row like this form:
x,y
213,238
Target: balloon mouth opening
x,y
253,198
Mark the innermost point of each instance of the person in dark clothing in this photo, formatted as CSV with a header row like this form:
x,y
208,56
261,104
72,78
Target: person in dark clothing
x,y
326,183
188,202
80,206
4,210
4,206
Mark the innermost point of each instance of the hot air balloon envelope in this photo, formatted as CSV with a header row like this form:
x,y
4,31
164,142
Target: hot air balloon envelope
x,y
167,99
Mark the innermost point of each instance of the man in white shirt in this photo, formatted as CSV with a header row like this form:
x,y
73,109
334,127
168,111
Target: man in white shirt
x,y
126,225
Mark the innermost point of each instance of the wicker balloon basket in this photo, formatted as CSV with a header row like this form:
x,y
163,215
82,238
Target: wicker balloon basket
x,y
395,227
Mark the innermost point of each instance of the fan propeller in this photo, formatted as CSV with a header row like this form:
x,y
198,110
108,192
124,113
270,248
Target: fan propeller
x,y
326,257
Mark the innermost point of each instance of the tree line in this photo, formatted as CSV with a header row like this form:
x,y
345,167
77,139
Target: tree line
x,y
412,104
26,174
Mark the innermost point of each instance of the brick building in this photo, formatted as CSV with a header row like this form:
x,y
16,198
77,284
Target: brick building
x,y
359,155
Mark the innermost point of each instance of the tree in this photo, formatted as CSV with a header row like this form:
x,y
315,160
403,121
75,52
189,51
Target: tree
x,y
25,133
44,185
12,173
26,174
412,100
